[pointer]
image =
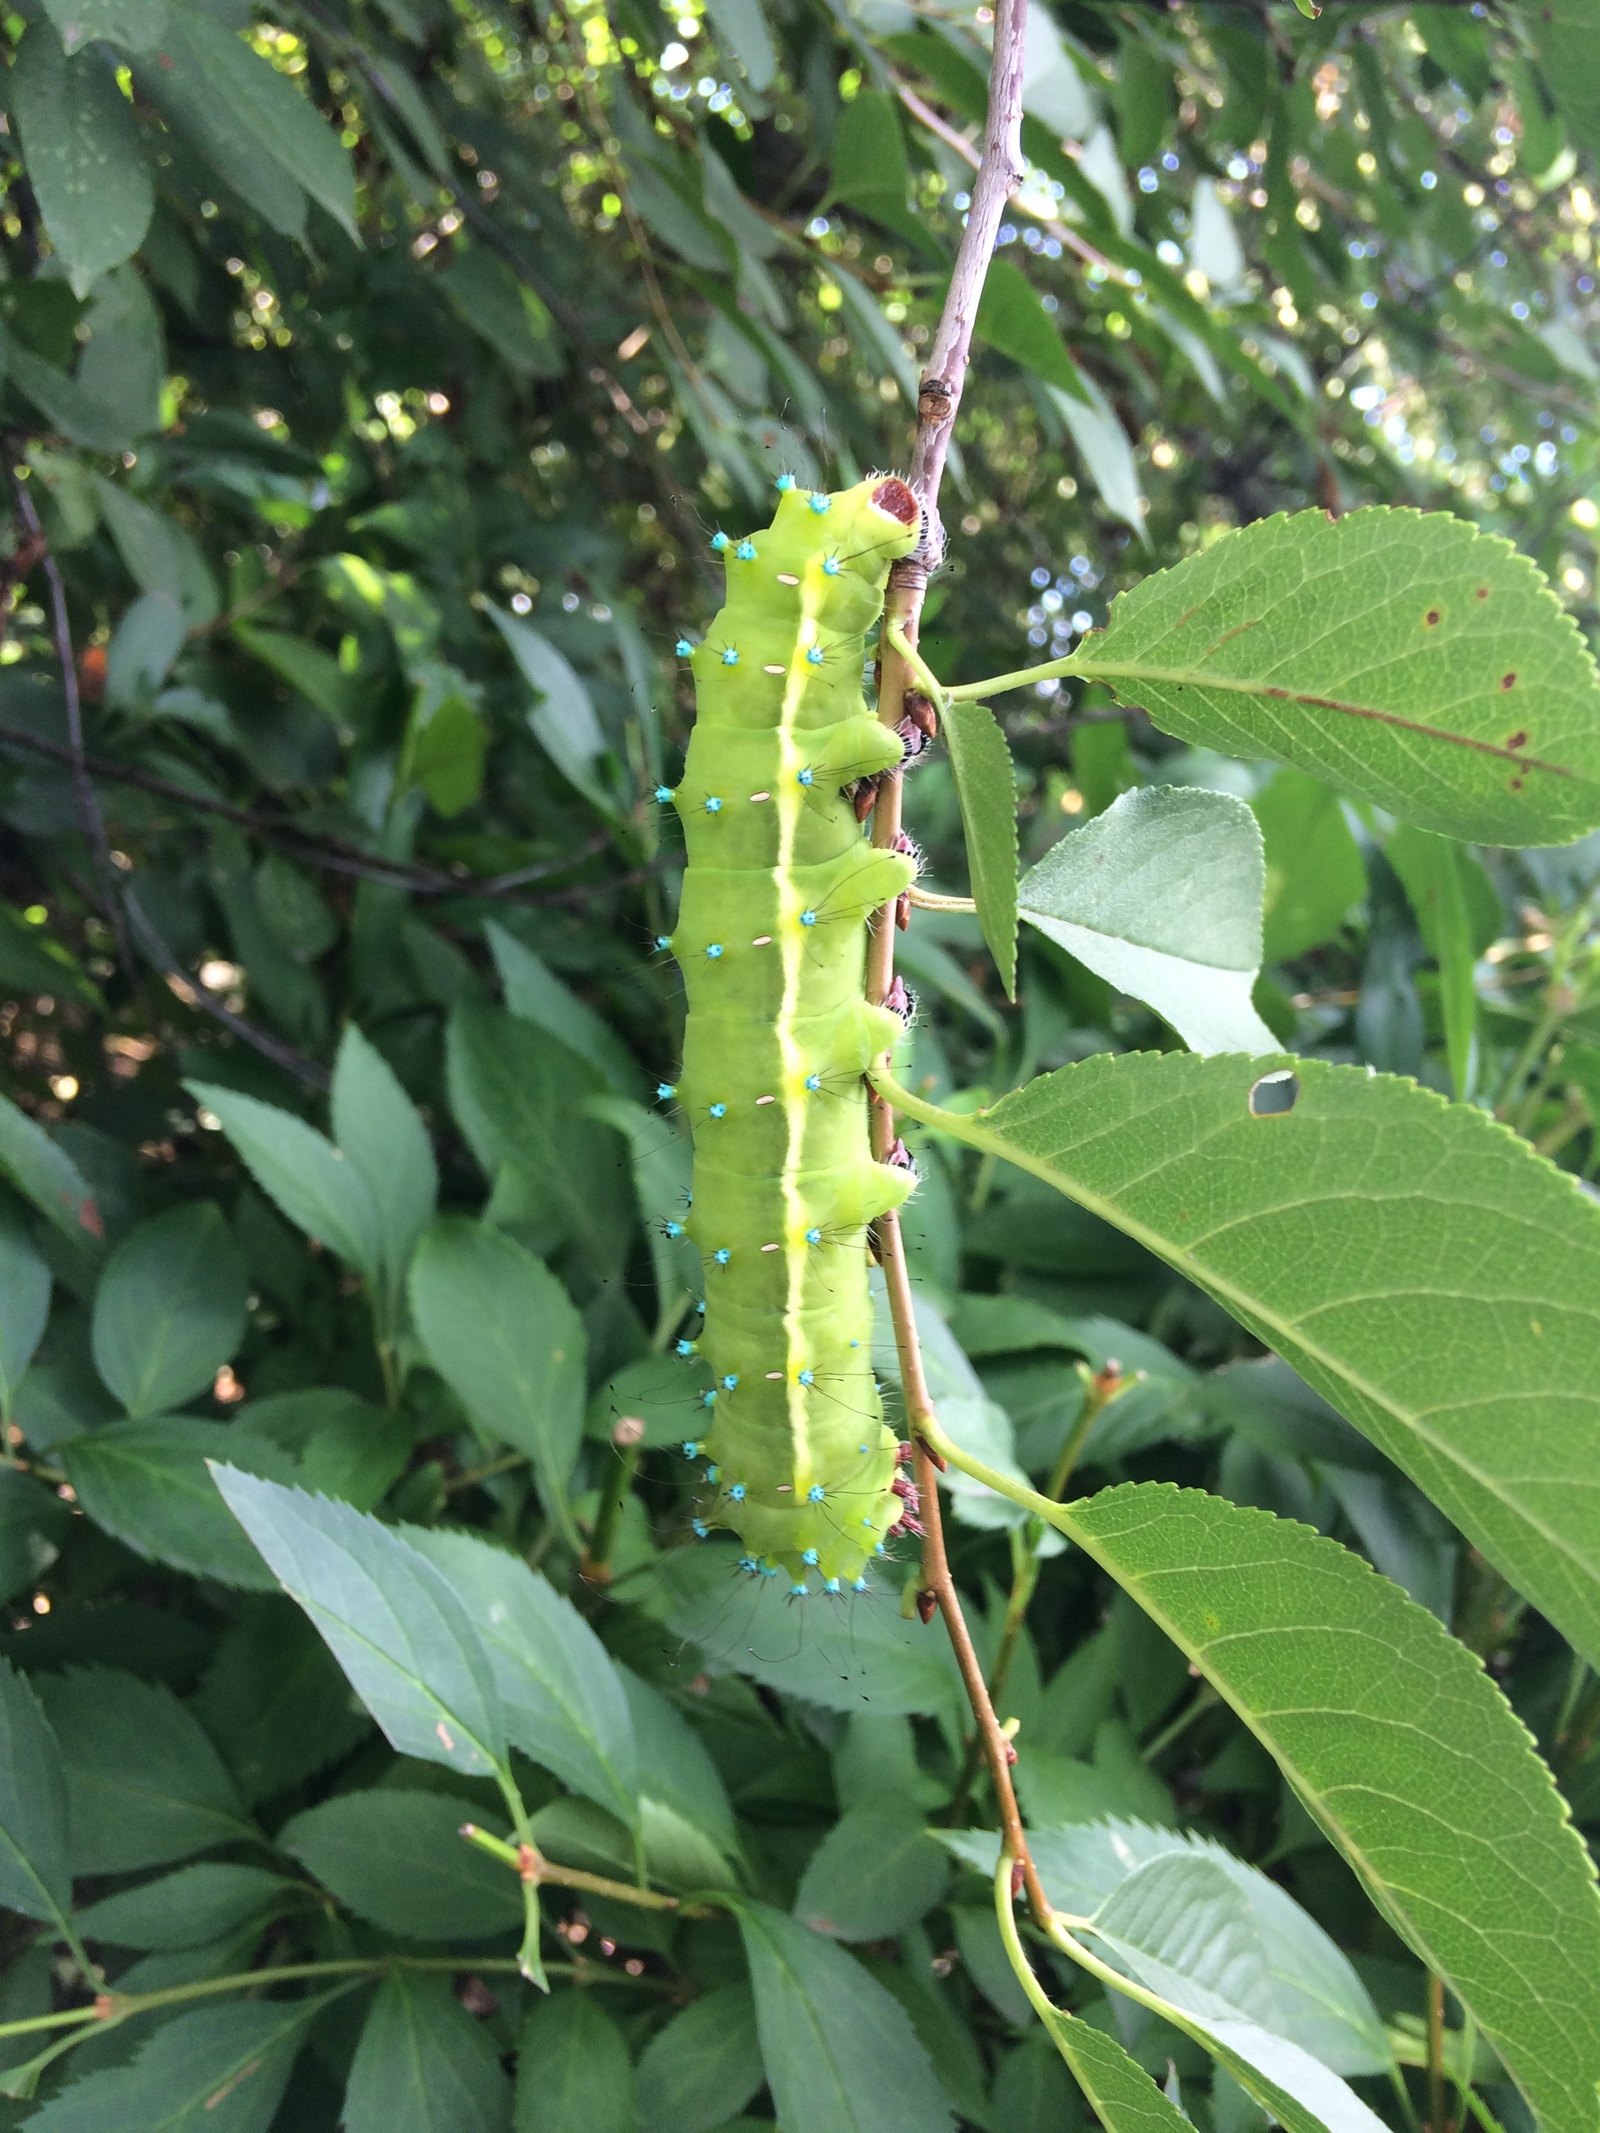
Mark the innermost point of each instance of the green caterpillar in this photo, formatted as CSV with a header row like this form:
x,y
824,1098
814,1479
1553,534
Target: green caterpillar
x,y
771,939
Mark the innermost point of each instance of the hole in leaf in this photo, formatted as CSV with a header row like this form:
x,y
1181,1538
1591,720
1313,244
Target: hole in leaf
x,y
1274,1094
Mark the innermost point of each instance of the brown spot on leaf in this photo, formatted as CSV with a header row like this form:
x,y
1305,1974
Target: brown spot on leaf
x,y
1519,739
1431,618
1483,592
1516,784
1508,681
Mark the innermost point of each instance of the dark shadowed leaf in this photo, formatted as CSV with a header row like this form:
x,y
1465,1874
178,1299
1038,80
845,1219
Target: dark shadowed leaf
x,y
144,1784
840,2053
398,1860
424,2065
573,2074
170,1309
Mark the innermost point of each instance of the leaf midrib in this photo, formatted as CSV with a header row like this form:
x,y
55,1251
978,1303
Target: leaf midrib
x,y
1197,678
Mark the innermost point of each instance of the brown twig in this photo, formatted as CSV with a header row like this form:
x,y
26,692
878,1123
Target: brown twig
x,y
938,400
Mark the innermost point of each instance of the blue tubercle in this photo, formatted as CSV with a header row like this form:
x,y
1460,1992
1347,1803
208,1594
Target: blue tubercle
x,y
684,1347
814,1082
729,1381
806,777
719,1111
663,942
808,918
714,952
815,1493
859,1585
719,541
736,1493
699,1528
808,1377
798,1592
674,1229
748,1562
810,1558
713,805
663,794
814,656
821,504
783,484
713,1473
665,1091
745,552
730,657
832,567
684,649
880,1549
722,1255
813,1236
709,1399
769,1570
830,1585
691,1448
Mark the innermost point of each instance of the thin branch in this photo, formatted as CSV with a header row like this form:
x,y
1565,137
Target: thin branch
x,y
194,994
938,401
84,798
332,853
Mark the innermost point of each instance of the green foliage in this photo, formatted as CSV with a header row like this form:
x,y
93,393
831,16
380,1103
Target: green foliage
x,y
378,374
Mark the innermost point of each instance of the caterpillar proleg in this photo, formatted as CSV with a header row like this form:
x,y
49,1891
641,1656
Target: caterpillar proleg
x,y
771,938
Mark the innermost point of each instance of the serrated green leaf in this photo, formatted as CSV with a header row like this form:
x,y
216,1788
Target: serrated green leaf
x,y
875,1873
376,1127
1161,897
505,1336
84,158
986,786
198,1903
1182,1927
1420,1267
317,1186
841,2055
144,1784
169,1310
212,2070
390,1619
1399,1746
1562,34
703,2067
564,1704
1402,656
1314,871
34,1874
423,2065
398,1860
573,2074
148,1482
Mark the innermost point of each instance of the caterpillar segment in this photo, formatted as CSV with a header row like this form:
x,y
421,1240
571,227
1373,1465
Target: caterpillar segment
x,y
771,938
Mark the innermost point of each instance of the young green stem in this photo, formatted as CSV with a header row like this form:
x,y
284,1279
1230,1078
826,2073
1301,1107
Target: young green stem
x,y
526,1860
594,1566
